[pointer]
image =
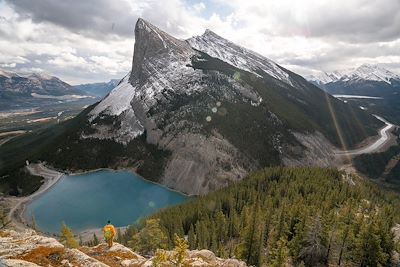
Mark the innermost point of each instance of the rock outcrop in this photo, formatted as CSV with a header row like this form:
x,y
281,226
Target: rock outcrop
x,y
28,249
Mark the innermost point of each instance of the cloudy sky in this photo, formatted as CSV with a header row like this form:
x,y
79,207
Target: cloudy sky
x,y
92,40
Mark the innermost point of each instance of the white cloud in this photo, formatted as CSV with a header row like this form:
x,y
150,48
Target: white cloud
x,y
93,41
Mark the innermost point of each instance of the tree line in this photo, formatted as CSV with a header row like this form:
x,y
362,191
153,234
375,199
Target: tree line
x,y
278,216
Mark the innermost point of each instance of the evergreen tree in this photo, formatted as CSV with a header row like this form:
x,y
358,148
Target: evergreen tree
x,y
369,250
269,219
279,253
180,251
314,251
67,237
119,236
149,238
95,240
192,237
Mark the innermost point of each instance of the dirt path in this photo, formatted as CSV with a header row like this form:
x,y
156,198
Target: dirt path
x,y
18,204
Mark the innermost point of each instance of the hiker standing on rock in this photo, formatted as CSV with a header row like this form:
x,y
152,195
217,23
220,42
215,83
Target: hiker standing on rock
x,y
109,233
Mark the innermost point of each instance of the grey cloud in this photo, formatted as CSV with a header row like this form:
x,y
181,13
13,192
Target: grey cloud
x,y
357,21
370,22
91,17
339,55
96,18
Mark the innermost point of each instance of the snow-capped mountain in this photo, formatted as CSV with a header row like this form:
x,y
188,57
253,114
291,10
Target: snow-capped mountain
x,y
367,80
200,113
28,90
371,73
242,58
326,77
365,72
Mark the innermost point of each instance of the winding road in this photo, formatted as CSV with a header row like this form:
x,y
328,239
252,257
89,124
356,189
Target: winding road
x,y
375,146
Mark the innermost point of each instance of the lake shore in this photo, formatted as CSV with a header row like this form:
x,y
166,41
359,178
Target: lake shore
x,y
132,171
18,204
87,235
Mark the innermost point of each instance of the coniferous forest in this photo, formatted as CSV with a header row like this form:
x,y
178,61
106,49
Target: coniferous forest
x,y
301,216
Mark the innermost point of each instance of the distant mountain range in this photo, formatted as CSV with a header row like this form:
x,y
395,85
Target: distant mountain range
x,y
33,89
366,80
98,89
195,115
365,72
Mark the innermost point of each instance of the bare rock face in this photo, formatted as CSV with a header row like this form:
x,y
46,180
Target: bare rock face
x,y
218,109
28,249
154,42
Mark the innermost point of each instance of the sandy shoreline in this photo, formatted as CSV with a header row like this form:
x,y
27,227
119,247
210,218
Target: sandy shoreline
x,y
18,204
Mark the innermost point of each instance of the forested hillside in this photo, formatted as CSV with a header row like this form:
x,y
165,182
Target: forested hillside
x,y
307,216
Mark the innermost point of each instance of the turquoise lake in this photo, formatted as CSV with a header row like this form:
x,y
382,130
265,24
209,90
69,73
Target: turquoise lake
x,y
88,200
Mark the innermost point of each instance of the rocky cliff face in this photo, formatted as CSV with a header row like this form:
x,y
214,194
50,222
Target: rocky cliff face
x,y
219,109
29,249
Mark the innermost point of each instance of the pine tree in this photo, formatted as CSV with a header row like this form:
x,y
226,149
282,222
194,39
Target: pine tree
x,y
180,251
119,236
160,258
192,237
149,238
95,240
248,248
67,237
314,250
369,250
279,254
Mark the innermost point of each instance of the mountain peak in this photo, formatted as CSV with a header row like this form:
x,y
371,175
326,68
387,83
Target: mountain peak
x,y
41,76
373,72
151,41
366,71
210,33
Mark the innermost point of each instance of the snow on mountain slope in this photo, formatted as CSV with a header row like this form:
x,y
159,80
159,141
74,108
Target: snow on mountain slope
x,y
368,72
372,73
326,77
242,58
117,101
161,62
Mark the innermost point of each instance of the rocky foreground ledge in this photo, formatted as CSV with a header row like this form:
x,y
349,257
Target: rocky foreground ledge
x,y
28,249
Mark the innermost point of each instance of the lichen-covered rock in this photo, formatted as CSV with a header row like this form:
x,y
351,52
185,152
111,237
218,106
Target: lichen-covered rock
x,y
17,263
28,249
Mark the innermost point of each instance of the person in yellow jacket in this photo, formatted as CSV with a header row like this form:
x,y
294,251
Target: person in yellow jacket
x,y
109,233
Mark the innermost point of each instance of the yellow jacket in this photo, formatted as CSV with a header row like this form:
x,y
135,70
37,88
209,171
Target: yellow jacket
x,y
109,229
